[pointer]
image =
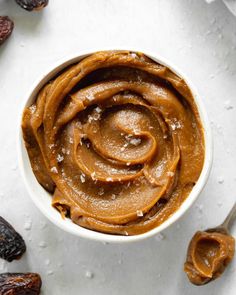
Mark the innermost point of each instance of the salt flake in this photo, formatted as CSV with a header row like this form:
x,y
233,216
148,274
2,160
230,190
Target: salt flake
x,y
135,141
89,96
228,105
32,108
170,173
133,54
93,175
28,225
82,178
219,204
139,213
47,261
98,110
89,274
159,237
220,180
54,170
101,191
60,158
42,244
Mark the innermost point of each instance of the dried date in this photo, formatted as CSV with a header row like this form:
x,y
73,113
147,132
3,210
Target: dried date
x,y
6,28
20,284
32,4
12,245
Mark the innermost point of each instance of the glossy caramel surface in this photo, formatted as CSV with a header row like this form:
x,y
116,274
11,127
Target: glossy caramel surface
x,y
117,140
209,253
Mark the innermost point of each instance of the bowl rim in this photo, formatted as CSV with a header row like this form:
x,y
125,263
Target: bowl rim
x,y
67,225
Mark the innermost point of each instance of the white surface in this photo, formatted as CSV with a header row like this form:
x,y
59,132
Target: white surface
x,y
42,198
201,40
231,4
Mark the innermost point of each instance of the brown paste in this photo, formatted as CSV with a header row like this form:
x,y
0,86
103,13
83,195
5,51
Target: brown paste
x,y
117,140
208,255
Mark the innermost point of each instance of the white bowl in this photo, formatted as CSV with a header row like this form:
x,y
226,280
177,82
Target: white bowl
x,y
42,198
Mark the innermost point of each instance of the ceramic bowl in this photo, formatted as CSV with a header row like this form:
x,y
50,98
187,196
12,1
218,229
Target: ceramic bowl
x,y
42,198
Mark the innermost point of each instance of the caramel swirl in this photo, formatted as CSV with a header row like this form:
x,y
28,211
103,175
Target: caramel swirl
x,y
208,255
117,140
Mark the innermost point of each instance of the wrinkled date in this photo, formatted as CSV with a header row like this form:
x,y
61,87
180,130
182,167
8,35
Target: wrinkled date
x,y
20,284
12,245
6,28
32,4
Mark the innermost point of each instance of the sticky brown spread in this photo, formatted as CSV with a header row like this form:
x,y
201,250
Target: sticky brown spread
x,y
117,140
208,255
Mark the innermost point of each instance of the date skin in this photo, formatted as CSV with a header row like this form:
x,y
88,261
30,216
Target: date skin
x,y
6,28
31,5
12,245
20,284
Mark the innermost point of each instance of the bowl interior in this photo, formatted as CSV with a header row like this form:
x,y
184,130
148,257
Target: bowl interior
x,y
42,198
